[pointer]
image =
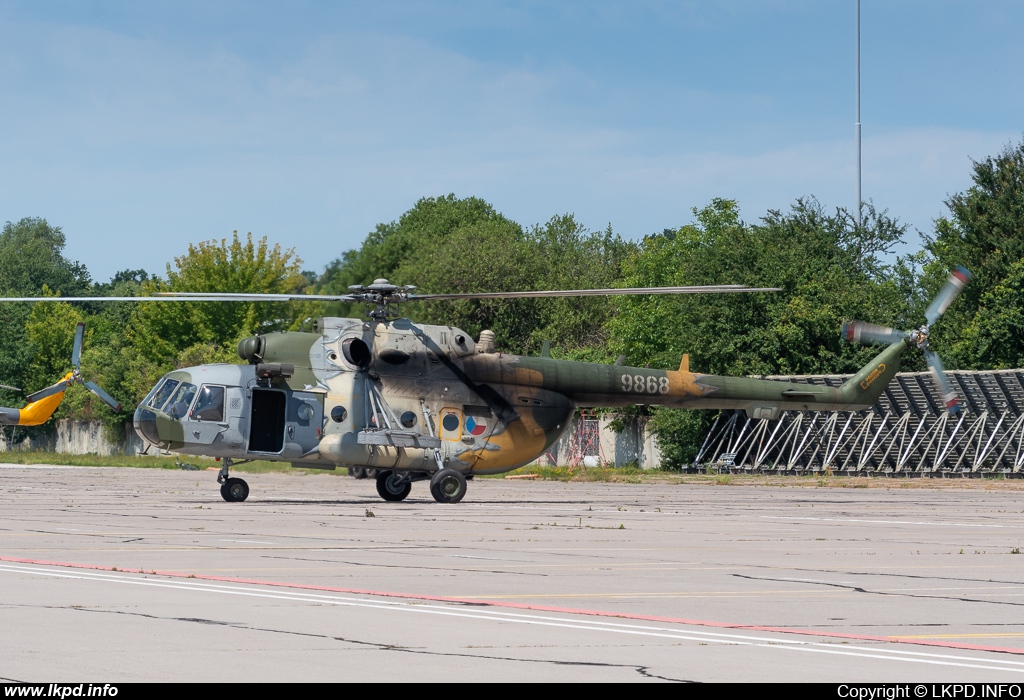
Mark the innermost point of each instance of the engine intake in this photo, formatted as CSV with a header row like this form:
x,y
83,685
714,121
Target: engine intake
x,y
252,349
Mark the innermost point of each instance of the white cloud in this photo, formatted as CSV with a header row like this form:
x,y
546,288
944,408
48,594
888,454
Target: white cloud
x,y
138,147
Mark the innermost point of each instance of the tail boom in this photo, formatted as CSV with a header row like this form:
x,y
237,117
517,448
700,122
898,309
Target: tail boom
x,y
598,385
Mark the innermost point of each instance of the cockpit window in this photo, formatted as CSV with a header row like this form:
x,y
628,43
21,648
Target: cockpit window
x,y
163,393
210,405
177,407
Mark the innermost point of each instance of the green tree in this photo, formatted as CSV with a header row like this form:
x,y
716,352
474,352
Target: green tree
x,y
452,245
50,332
31,260
169,333
984,232
418,234
995,335
827,268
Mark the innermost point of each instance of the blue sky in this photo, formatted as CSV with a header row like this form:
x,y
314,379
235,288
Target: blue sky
x,y
141,127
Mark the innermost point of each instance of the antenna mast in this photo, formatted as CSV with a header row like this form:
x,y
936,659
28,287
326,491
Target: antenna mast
x,y
856,126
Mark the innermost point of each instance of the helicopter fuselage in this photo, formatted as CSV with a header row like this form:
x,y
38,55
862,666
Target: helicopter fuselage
x,y
414,398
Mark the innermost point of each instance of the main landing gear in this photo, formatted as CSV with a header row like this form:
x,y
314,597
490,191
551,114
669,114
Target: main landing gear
x,y
232,489
393,486
446,485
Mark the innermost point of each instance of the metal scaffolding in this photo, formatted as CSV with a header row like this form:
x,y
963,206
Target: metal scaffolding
x,y
585,444
907,431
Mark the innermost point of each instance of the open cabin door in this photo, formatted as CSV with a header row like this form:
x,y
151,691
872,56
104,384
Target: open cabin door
x,y
266,421
287,423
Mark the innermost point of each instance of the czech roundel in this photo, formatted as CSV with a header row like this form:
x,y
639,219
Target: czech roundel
x,y
475,425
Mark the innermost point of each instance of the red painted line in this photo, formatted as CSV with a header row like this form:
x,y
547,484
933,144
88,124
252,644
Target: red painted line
x,y
529,606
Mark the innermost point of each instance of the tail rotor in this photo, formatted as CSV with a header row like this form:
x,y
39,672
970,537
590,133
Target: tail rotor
x,y
868,333
75,377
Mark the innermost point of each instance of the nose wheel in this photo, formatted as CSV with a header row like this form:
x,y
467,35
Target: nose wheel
x,y
448,486
234,490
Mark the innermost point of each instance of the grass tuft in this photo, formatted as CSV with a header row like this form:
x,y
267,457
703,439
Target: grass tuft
x,y
154,462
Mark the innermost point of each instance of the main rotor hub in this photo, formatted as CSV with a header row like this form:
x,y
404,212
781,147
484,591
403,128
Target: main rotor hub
x,y
381,298
919,337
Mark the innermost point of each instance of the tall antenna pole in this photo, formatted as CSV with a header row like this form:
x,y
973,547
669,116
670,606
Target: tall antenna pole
x,y
856,125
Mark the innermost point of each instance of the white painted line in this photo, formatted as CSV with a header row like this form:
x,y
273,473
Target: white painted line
x,y
493,615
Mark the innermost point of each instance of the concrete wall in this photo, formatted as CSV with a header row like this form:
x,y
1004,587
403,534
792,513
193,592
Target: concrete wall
x,y
635,444
73,437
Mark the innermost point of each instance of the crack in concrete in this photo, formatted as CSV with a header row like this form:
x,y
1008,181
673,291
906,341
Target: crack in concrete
x,y
894,594
642,670
882,573
404,566
382,646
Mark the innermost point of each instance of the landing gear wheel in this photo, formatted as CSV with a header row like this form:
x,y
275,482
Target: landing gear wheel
x,y
357,472
392,486
234,490
448,486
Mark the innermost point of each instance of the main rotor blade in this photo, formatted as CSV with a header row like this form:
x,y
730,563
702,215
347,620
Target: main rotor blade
x,y
198,296
110,400
76,351
231,296
707,289
949,397
8,386
955,284
248,296
868,333
48,391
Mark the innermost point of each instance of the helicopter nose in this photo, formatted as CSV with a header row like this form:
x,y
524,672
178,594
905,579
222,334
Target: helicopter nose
x,y
145,426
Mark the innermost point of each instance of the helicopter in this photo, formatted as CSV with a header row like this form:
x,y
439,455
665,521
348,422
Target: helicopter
x,y
43,403
419,402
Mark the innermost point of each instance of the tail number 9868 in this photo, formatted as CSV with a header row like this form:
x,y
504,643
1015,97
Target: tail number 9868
x,y
640,384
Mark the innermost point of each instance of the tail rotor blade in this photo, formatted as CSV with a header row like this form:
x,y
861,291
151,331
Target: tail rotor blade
x,y
955,284
949,397
868,333
110,400
76,352
48,391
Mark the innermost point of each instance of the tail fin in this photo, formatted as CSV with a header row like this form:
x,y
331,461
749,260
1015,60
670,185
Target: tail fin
x,y
864,388
40,410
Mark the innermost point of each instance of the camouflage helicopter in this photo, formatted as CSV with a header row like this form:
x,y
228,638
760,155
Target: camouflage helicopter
x,y
422,402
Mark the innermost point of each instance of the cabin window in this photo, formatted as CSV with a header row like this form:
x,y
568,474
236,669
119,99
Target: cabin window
x,y
163,393
177,407
210,405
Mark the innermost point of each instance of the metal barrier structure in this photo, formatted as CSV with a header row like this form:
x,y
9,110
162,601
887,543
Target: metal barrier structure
x,y
907,431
